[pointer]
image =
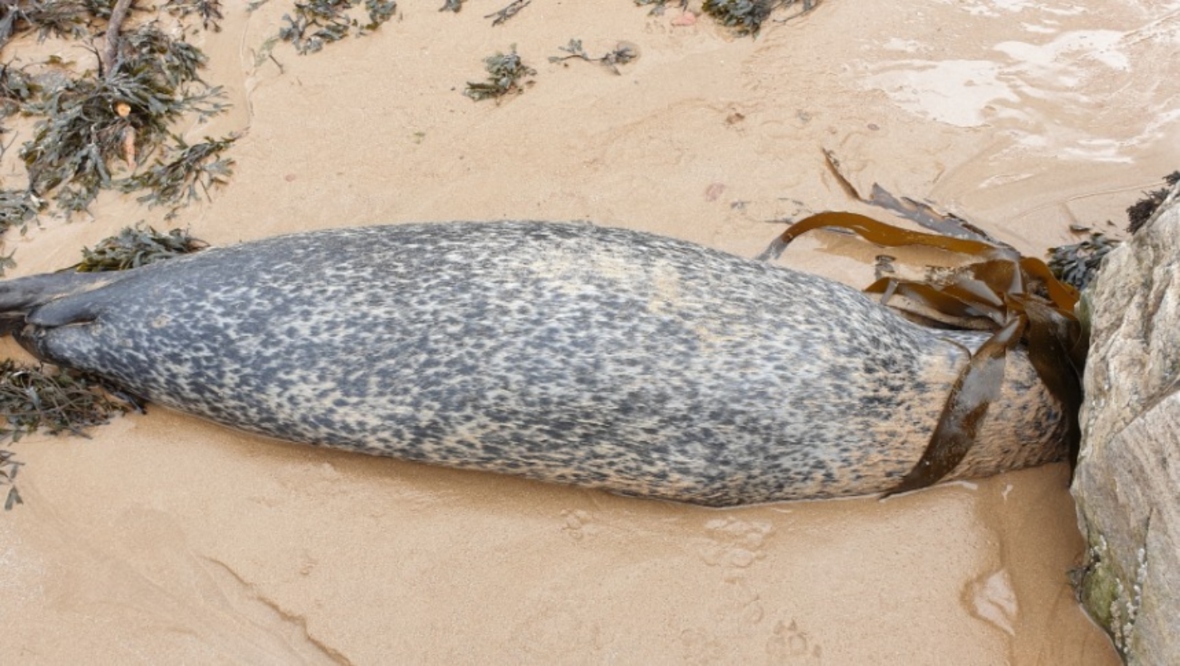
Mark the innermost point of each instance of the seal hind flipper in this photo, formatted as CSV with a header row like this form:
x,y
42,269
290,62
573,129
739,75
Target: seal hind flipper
x,y
23,295
44,301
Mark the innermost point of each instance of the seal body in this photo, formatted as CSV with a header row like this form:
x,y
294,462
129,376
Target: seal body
x,y
561,352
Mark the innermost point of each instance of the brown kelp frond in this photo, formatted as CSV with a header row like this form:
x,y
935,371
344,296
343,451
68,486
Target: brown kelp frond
x,y
922,214
59,401
977,387
1015,297
137,246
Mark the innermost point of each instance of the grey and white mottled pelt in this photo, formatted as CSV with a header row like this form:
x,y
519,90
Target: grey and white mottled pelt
x,y
567,353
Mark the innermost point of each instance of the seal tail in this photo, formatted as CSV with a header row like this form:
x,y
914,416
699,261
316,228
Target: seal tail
x,y
21,296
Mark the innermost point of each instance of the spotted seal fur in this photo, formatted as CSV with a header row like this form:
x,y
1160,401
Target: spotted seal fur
x,y
563,352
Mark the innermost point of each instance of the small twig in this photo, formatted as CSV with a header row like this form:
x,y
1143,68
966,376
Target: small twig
x,y
509,11
118,15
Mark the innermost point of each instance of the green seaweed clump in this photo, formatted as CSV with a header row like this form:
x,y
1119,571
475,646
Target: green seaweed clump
x,y
623,54
658,6
17,88
209,11
137,246
505,70
59,18
747,16
320,22
18,208
32,399
512,9
88,123
1077,264
174,182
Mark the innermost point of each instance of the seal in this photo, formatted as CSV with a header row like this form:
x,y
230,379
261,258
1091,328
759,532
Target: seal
x,y
563,352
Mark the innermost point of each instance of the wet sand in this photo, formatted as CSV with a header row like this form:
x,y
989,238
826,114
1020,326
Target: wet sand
x,y
164,539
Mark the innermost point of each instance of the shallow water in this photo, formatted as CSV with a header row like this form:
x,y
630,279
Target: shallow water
x,y
167,539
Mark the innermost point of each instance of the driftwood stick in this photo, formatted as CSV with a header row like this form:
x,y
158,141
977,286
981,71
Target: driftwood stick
x,y
118,15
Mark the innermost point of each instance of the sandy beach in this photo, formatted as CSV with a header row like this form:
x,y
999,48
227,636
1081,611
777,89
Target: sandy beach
x,y
166,539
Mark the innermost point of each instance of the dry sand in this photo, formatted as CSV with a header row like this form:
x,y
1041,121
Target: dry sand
x,y
165,539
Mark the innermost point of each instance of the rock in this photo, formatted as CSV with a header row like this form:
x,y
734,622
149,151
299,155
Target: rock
x,y
1127,484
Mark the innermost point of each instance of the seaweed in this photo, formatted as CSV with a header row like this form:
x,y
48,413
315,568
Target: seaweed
x,y
174,182
621,55
505,70
747,16
17,209
452,6
658,6
320,22
17,88
1078,263
87,123
68,401
58,401
209,11
1141,211
137,246
59,18
1016,298
508,12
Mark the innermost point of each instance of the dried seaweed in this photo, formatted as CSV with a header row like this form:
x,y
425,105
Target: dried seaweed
x,y
319,22
621,55
1141,211
17,88
508,12
58,401
17,209
88,123
59,18
505,71
1077,264
1015,297
747,16
658,6
452,6
209,11
137,246
174,179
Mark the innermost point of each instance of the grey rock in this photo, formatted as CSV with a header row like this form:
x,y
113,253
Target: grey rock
x,y
1127,484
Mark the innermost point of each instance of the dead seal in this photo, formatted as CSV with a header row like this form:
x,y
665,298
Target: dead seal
x,y
567,353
